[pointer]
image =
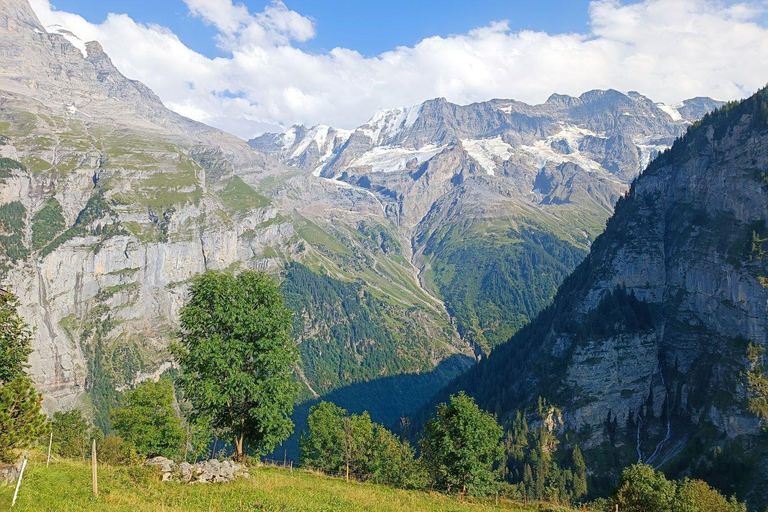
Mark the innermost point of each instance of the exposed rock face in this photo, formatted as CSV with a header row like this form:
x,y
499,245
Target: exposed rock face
x,y
645,346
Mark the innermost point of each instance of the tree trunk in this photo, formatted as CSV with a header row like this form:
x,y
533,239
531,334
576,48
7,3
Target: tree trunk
x,y
239,448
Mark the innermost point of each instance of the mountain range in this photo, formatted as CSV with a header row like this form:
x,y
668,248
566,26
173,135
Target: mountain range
x,y
412,245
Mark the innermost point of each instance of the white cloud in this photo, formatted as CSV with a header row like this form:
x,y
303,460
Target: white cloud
x,y
669,50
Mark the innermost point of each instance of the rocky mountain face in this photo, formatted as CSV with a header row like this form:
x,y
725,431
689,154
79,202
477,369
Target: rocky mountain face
x,y
500,199
645,347
110,203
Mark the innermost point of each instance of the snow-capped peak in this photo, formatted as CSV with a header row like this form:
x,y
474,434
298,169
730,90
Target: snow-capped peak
x,y
69,36
388,122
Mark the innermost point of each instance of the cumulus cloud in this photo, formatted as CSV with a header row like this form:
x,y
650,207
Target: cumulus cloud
x,y
669,50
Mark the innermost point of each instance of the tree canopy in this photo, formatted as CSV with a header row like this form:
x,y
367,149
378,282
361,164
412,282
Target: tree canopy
x,y
148,421
461,445
236,357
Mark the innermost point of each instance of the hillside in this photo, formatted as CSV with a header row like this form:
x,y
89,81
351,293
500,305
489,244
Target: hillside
x,y
645,349
65,487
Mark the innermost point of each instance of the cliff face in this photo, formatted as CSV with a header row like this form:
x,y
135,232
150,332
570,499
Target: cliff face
x,y
645,345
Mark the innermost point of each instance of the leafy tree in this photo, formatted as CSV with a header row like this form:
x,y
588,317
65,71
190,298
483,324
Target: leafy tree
x,y
15,339
697,496
148,421
393,461
644,489
236,356
71,434
322,445
461,445
20,419
116,450
337,442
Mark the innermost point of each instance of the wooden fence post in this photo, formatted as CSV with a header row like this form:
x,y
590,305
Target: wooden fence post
x,y
93,468
18,484
50,441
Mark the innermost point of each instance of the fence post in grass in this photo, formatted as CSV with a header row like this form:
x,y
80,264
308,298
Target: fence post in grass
x,y
497,498
93,469
50,441
18,484
285,458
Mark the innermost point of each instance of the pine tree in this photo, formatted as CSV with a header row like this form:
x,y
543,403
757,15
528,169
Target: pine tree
x,y
579,486
20,419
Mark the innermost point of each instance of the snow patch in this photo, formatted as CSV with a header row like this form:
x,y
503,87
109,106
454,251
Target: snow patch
x,y
318,134
486,151
543,153
671,111
69,36
393,158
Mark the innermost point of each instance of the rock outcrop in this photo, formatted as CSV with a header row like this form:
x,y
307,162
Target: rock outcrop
x,y
205,472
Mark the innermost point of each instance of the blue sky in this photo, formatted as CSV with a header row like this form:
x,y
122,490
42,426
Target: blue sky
x,y
370,27
263,65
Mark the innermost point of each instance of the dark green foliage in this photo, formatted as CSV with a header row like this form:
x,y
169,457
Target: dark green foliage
x,y
8,165
12,247
460,447
494,289
236,357
644,489
47,223
71,434
21,422
618,312
532,464
363,337
20,419
352,445
147,420
379,237
15,339
95,209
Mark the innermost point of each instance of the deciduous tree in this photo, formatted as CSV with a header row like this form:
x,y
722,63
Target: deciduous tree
x,y
236,357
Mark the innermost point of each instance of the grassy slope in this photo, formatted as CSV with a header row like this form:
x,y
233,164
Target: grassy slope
x,y
67,487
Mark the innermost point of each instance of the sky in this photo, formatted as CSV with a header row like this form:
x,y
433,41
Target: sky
x,y
262,66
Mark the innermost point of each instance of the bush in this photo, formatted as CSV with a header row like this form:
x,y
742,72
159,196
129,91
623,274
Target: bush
x,y
115,450
71,434
148,421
